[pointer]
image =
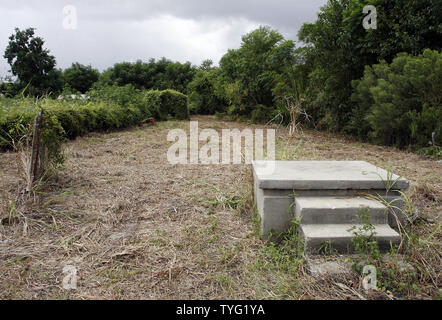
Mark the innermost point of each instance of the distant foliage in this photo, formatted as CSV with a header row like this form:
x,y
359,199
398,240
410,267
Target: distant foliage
x,y
156,75
122,95
339,48
32,64
80,78
249,74
203,95
262,114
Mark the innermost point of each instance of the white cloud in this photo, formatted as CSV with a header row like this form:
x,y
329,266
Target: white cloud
x,y
115,31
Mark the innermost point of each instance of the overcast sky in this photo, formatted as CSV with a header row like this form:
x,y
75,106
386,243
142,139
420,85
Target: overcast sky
x,y
110,31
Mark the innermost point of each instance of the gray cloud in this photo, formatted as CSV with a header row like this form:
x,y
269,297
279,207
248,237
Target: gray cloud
x,y
113,31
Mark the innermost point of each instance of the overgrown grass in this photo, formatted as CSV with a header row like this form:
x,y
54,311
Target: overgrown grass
x,y
138,227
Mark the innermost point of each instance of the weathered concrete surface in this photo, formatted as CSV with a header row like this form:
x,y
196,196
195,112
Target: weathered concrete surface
x,y
276,214
324,268
337,265
338,210
338,236
320,175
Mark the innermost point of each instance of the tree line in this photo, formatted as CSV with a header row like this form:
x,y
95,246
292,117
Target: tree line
x,y
381,85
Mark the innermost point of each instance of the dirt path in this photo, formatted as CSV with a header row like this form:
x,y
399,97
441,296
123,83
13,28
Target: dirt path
x,y
136,227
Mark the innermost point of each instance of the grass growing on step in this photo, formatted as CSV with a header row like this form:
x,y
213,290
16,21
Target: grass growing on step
x,y
363,241
389,182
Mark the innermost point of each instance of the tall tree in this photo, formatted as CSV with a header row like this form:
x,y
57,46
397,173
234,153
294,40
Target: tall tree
x,y
250,73
341,48
30,62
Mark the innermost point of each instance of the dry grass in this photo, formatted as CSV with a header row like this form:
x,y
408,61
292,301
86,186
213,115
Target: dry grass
x,y
137,227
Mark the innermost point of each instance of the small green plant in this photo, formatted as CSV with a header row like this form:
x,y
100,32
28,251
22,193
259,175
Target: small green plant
x,y
327,249
434,152
13,213
286,252
363,241
389,181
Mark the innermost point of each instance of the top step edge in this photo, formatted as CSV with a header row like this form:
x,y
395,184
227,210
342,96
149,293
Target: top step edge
x,y
273,184
321,175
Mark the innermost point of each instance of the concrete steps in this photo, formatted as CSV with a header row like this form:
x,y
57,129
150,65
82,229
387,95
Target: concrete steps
x,y
329,223
329,197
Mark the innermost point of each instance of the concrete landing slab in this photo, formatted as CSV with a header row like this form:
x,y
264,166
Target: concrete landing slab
x,y
320,175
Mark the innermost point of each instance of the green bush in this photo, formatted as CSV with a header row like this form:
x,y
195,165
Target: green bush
x,y
401,103
15,116
163,105
262,114
203,97
110,108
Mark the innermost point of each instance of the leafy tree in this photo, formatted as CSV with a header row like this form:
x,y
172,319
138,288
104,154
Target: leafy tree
x,y
203,98
159,75
79,77
250,73
31,63
340,48
330,80
206,65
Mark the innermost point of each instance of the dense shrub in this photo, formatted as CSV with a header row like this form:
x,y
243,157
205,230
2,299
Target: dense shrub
x,y
203,98
249,74
339,48
166,104
401,103
121,95
262,114
15,125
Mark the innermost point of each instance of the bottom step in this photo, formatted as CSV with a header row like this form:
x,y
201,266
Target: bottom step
x,y
337,237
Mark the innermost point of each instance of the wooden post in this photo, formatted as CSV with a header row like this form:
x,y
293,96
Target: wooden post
x,y
35,153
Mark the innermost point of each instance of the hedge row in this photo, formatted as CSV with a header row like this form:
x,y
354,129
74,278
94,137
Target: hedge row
x,y
104,112
166,104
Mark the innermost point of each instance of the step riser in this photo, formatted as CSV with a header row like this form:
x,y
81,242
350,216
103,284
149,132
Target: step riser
x,y
342,246
339,210
339,216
